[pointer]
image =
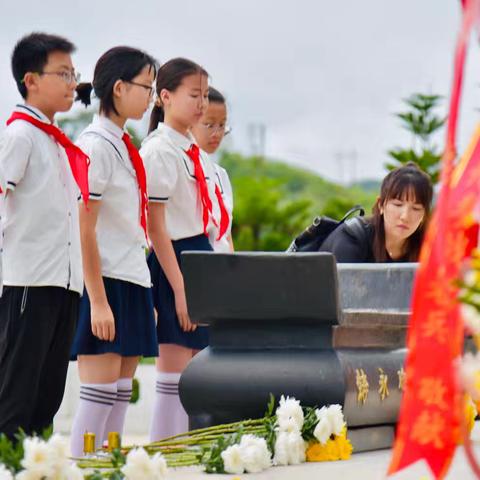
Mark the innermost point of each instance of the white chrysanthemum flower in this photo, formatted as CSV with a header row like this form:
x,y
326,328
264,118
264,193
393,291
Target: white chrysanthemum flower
x,y
280,456
5,473
470,278
323,430
139,466
334,415
289,410
288,425
71,472
471,317
60,456
38,458
27,475
59,446
475,298
336,419
255,454
160,466
469,369
232,459
297,449
290,449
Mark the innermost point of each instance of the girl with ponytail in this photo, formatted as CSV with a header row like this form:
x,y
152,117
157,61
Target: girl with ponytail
x,y
181,189
116,324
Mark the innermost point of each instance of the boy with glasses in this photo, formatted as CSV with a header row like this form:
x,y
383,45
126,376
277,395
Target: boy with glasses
x,y
42,265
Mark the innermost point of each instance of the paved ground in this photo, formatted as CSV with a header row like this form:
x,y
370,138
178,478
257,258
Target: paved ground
x,y
362,466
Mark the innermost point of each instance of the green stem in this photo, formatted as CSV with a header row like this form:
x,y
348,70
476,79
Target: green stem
x,y
197,440
213,428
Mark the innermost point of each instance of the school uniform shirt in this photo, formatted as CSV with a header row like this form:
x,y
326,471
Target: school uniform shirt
x,y
223,182
171,180
112,179
2,206
40,226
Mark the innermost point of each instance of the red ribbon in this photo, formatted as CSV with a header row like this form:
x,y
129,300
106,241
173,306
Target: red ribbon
x,y
429,423
139,168
224,217
194,154
78,160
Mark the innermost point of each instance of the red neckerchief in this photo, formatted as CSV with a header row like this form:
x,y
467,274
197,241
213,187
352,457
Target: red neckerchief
x,y
224,218
139,168
77,159
194,154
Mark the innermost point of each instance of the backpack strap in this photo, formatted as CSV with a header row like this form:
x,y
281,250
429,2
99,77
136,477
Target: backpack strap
x,y
354,209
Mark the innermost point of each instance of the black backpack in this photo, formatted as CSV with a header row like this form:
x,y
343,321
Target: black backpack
x,y
312,238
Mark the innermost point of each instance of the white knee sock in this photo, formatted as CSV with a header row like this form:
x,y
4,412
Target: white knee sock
x,y
116,419
96,402
169,416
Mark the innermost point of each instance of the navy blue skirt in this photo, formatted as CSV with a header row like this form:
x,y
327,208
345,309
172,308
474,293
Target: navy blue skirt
x,y
135,333
168,327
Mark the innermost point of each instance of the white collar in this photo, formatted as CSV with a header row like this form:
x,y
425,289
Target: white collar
x,y
108,125
182,141
32,112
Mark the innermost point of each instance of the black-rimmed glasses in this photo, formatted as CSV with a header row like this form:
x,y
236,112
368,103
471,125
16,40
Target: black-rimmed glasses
x,y
151,90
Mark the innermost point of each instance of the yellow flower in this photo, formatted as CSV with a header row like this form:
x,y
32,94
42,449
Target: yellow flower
x,y
470,412
338,449
331,450
316,452
344,447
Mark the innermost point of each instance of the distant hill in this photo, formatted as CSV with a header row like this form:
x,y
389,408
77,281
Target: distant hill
x,y
298,183
368,185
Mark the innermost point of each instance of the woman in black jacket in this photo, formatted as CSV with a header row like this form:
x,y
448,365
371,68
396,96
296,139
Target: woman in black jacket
x,y
394,233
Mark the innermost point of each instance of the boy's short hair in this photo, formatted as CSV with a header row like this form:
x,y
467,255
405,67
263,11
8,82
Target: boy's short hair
x,y
31,55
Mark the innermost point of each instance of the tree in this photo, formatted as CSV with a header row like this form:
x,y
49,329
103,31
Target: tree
x,y
420,120
337,207
263,219
73,124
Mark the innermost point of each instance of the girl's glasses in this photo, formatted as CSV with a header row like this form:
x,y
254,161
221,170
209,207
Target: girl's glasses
x,y
150,89
213,128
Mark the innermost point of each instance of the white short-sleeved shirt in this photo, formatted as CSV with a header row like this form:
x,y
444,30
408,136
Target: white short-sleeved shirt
x,y
41,244
112,179
223,182
2,206
171,180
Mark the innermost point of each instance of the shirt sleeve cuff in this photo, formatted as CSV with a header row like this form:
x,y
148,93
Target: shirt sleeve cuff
x,y
11,186
158,199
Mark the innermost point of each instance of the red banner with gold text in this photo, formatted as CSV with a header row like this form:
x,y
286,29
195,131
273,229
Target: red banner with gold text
x,y
429,425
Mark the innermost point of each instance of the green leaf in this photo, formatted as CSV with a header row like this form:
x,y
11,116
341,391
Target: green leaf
x,y
117,475
11,453
135,391
118,458
309,423
270,406
96,475
271,436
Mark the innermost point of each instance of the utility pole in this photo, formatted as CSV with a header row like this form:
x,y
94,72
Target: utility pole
x,y
346,161
257,133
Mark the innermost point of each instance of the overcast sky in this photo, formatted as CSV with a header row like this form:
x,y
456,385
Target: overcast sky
x,y
324,77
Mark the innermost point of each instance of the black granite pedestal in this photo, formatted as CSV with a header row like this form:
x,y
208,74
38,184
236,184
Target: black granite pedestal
x,y
298,325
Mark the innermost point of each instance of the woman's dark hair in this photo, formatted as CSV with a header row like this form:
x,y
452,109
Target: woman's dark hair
x,y
214,96
118,63
30,54
407,182
169,77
